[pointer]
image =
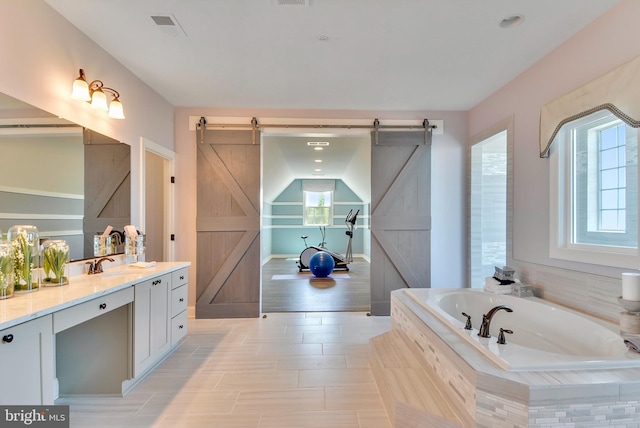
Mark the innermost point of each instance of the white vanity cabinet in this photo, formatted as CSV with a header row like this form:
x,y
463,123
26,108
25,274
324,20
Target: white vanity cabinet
x,y
26,363
179,295
152,322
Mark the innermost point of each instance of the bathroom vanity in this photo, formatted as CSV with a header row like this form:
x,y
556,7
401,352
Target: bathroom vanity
x,y
99,335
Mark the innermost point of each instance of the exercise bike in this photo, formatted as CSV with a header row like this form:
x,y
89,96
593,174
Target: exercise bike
x,y
340,262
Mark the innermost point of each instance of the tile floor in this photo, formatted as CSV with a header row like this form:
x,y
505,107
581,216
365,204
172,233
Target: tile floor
x,y
302,370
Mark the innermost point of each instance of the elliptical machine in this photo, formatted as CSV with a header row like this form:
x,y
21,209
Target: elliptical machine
x,y
340,262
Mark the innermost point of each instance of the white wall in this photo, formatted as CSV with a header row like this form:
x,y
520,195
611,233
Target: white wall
x,y
603,45
448,259
41,53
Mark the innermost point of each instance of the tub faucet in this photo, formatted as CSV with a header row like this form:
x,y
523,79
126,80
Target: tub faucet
x,y
486,320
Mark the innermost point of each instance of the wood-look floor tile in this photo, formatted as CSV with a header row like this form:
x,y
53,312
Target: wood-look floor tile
x,y
209,421
290,349
357,361
335,377
373,419
334,338
190,403
96,405
258,380
111,420
280,400
225,363
345,348
317,328
353,397
320,419
171,382
298,362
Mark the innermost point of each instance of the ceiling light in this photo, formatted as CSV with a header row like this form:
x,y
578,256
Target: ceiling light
x,y
94,92
511,21
318,161
317,170
318,148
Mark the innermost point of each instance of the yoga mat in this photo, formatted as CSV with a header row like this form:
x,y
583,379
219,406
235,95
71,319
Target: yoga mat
x,y
309,275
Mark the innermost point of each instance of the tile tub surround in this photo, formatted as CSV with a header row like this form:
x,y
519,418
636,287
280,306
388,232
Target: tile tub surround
x,y
493,397
81,288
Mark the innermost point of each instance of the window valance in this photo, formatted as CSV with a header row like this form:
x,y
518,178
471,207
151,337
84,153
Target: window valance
x,y
617,91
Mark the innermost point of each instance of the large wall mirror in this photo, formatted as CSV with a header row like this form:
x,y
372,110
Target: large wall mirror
x,y
68,181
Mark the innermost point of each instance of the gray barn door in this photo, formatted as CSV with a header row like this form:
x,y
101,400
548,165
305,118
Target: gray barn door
x,y
228,224
400,214
107,186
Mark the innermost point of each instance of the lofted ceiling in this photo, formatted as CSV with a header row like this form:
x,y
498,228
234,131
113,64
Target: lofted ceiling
x,y
376,55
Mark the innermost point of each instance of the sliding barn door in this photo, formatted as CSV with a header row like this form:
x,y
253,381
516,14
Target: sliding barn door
x,y
400,214
228,224
107,186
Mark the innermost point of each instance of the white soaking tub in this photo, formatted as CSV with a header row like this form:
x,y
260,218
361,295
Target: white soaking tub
x,y
545,336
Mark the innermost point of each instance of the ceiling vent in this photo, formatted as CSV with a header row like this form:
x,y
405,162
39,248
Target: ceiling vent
x,y
292,2
163,20
169,25
317,143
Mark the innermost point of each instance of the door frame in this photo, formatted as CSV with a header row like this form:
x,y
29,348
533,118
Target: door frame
x,y
147,145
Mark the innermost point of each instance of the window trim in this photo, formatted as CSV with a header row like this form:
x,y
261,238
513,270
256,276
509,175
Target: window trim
x,y
560,207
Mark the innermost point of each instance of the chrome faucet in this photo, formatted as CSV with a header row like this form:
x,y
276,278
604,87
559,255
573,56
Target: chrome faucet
x,y
96,265
486,320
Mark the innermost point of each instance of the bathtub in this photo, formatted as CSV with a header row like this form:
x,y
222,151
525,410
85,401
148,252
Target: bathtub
x,y
545,336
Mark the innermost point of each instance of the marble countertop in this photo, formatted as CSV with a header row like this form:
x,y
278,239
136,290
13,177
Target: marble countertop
x,y
81,288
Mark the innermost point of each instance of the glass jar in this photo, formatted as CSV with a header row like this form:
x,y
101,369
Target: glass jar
x,y
134,248
25,243
55,262
6,270
101,245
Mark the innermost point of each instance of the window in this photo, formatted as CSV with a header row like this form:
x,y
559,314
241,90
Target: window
x,y
488,207
595,212
318,208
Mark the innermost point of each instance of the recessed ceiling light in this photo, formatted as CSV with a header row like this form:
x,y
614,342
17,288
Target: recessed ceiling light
x,y
317,170
511,21
318,148
318,161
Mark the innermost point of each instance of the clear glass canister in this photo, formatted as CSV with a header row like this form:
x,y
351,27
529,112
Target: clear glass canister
x,y
101,245
6,271
134,248
55,262
25,243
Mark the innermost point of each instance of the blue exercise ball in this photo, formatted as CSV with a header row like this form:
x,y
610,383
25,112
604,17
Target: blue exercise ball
x,y
321,264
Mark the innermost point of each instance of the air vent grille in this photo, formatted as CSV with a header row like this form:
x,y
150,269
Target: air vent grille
x,y
163,20
292,2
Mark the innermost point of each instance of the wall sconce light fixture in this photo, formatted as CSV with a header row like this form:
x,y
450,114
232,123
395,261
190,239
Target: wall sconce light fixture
x,y
94,93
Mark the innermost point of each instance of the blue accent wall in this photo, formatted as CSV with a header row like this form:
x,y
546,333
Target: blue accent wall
x,y
286,222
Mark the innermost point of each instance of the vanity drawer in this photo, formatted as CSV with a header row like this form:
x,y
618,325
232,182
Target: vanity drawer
x,y
178,327
178,300
179,277
82,312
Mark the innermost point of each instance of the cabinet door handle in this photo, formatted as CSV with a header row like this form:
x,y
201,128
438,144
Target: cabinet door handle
x,y
9,338
181,326
103,306
156,282
181,277
181,299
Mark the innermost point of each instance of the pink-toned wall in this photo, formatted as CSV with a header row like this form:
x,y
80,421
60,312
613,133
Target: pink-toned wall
x,y
41,53
603,45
